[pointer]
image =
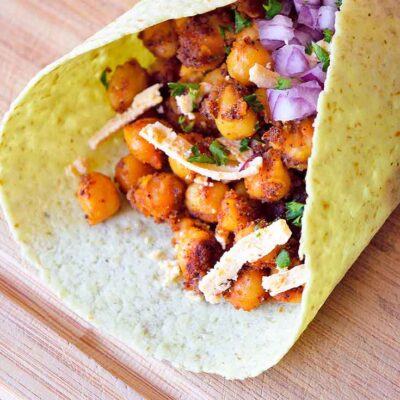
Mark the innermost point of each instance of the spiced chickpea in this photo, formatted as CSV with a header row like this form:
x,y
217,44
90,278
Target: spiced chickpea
x,y
128,80
140,147
129,170
98,197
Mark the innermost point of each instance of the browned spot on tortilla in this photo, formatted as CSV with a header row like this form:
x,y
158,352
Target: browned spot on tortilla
x,y
397,134
325,205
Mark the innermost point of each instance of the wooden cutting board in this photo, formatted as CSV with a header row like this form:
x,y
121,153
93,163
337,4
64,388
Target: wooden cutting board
x,y
351,350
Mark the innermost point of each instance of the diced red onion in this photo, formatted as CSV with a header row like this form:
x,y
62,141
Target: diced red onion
x,y
308,16
303,35
330,3
291,60
314,74
300,3
326,17
276,32
296,103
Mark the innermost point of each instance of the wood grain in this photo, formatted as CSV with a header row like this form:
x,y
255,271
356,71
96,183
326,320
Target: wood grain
x,y
351,350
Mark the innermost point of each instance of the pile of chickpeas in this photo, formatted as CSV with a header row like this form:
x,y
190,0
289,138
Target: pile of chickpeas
x,y
193,50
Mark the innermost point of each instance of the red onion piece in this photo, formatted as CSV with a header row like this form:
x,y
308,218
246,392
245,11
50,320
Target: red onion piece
x,y
308,16
330,3
303,35
326,17
291,60
276,32
314,74
312,3
296,103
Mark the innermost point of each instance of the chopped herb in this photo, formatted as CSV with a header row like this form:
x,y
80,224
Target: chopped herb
x,y
253,102
328,34
219,152
227,50
197,157
184,126
339,3
322,55
272,8
308,49
104,77
257,227
283,83
294,212
241,22
257,126
223,30
178,89
244,145
282,260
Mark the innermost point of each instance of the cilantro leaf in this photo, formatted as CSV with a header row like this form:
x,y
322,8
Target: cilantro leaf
x,y
272,8
282,260
178,89
339,3
322,55
197,157
253,102
104,78
227,50
308,49
219,152
283,83
185,127
244,145
257,126
328,34
241,22
294,212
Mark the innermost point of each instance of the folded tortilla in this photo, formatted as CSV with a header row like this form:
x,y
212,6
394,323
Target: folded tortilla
x,y
107,273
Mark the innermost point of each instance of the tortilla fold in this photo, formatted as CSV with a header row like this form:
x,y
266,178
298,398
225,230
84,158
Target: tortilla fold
x,y
106,273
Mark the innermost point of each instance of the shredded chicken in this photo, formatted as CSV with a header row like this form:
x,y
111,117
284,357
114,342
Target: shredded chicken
x,y
263,77
179,148
285,280
145,100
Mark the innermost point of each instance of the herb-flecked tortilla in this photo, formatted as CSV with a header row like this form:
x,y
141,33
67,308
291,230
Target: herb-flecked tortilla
x,y
105,273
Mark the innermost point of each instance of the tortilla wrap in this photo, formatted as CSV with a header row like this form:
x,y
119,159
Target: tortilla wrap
x,y
106,273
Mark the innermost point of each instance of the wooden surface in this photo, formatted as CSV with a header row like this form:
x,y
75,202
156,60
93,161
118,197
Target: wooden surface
x,y
351,350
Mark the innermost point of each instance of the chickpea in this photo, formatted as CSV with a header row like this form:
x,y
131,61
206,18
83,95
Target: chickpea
x,y
294,141
129,170
244,54
235,119
98,197
272,183
204,202
290,296
251,32
197,251
140,147
192,74
236,212
216,76
160,196
247,292
127,81
161,39
181,171
200,43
